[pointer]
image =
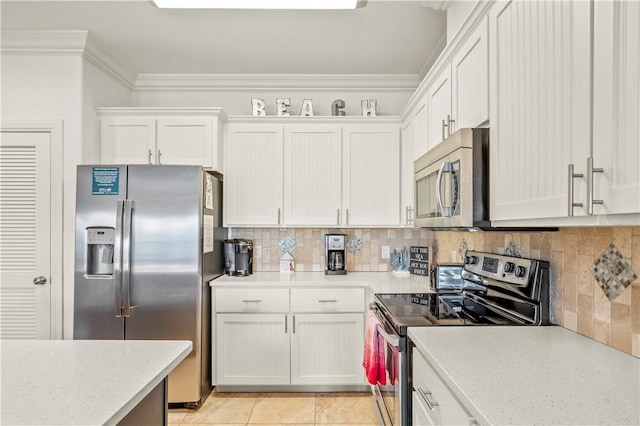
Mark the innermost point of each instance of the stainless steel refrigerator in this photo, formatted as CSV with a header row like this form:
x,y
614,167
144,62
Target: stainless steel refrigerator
x,y
148,241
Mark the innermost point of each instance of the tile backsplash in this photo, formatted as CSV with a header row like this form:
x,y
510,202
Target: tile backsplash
x,y
577,301
309,249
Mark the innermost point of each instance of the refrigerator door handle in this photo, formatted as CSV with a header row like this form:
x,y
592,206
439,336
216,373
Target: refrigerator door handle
x,y
126,258
117,258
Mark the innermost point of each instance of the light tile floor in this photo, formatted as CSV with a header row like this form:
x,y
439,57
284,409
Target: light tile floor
x,y
255,409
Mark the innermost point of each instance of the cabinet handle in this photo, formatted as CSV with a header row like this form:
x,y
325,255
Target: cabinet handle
x,y
338,218
590,171
426,395
347,222
159,157
444,124
278,215
572,176
150,154
251,301
408,215
293,325
285,324
327,300
450,126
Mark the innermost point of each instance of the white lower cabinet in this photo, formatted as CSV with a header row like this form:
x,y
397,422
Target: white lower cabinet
x,y
252,349
289,336
327,349
433,401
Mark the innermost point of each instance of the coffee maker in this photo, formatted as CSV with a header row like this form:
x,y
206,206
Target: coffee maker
x,y
238,257
335,254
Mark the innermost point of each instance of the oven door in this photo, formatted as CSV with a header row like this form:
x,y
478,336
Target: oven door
x,y
390,397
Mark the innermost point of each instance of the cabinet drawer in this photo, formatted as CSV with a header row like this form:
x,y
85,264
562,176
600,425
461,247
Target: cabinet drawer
x,y
327,300
435,396
252,300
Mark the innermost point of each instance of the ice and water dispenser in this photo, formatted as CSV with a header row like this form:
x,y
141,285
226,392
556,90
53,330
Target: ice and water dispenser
x,y
99,242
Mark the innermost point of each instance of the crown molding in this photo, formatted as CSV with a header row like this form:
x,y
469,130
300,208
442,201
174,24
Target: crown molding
x,y
64,43
277,82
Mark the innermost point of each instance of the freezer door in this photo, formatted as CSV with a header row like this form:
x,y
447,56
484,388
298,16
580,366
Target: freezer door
x,y
165,273
100,194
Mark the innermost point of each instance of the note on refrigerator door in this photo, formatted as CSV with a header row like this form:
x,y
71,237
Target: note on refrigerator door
x,y
207,245
208,197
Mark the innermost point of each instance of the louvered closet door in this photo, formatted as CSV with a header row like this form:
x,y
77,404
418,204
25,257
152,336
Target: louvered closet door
x,y
24,235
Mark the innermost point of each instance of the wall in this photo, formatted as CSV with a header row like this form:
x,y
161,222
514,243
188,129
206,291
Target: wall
x,y
238,102
577,302
61,87
309,251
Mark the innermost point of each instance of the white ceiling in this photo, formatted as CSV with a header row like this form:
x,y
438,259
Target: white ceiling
x,y
384,37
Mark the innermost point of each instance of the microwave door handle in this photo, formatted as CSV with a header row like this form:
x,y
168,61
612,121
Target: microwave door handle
x,y
444,168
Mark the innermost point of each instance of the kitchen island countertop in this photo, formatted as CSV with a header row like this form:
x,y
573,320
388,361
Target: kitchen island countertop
x,y
81,382
377,282
533,375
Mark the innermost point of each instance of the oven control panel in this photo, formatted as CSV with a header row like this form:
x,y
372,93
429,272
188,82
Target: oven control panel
x,y
513,270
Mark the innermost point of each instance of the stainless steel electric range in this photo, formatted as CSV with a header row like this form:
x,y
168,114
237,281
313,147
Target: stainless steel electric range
x,y
490,290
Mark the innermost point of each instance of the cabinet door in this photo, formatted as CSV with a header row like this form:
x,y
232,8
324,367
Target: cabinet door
x,y
127,140
252,349
312,175
371,175
439,108
253,175
540,84
406,172
421,128
617,106
470,80
326,349
185,140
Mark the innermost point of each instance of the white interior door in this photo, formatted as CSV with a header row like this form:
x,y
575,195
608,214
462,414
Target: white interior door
x,y
25,235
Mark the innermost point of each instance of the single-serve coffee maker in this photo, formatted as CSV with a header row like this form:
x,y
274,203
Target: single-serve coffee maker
x,y
238,257
335,254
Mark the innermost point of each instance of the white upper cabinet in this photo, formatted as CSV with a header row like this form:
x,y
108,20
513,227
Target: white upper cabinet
x,y
371,175
470,80
539,68
253,177
312,175
565,118
420,125
616,137
440,124
458,96
406,171
190,136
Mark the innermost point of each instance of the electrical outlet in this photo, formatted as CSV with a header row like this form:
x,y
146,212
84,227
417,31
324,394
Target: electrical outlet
x,y
257,252
385,252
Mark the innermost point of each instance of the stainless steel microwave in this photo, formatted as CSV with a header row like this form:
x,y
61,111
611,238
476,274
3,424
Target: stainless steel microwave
x,y
452,183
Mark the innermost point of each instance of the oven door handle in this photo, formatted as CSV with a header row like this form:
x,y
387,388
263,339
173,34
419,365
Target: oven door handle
x,y
391,339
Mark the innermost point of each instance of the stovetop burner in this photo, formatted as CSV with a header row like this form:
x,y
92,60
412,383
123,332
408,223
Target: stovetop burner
x,y
497,290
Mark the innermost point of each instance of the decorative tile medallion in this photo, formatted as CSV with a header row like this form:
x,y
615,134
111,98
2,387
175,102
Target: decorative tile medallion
x,y
612,272
512,250
287,244
462,249
355,244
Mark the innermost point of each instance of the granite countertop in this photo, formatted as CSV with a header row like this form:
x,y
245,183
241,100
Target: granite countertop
x,y
378,282
81,382
534,375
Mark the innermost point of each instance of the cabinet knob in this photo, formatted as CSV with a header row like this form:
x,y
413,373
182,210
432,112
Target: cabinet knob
x,y
41,280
